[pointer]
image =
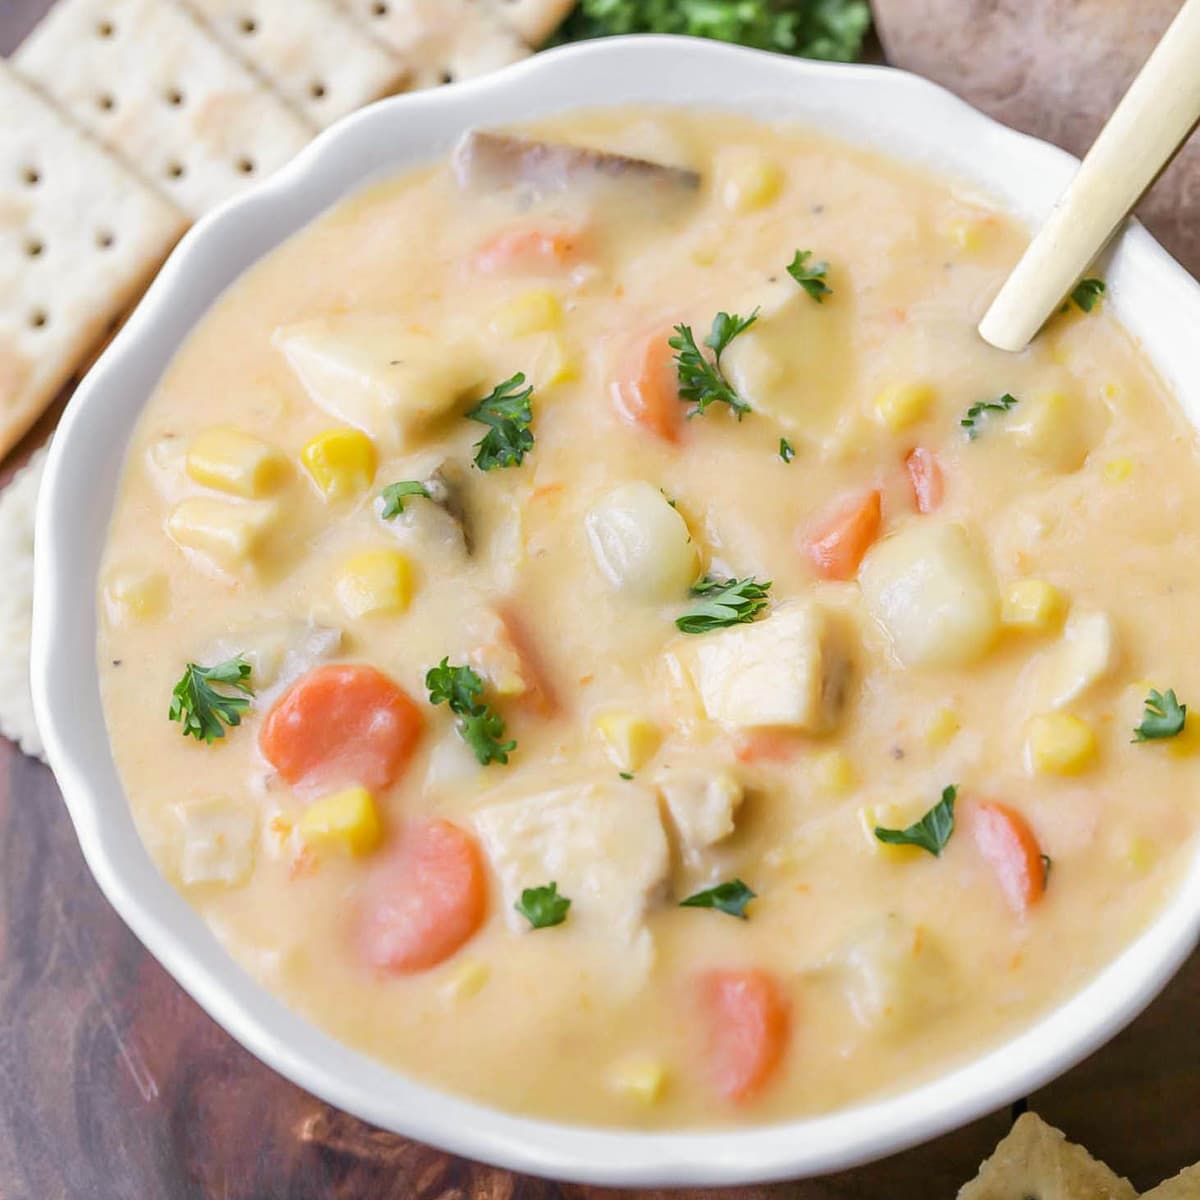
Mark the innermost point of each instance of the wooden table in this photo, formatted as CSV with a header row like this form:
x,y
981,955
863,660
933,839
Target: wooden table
x,y
113,1083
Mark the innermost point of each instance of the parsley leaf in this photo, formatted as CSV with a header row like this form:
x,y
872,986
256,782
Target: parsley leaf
x,y
701,380
1164,717
543,907
393,497
724,602
200,708
482,729
931,832
731,898
978,412
811,279
830,29
785,450
1087,294
508,411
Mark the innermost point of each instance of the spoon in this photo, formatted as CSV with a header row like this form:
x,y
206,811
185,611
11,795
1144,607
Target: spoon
x,y
1149,125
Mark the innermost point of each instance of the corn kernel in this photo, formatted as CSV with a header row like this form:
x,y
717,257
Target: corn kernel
x,y
341,462
554,363
970,233
230,533
887,816
1117,470
468,979
231,461
1137,853
1033,604
640,1079
903,404
833,773
749,182
1048,426
1060,744
534,311
375,581
631,741
942,727
135,596
346,821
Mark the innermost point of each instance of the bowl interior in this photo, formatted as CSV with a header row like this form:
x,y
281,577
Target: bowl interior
x,y
896,113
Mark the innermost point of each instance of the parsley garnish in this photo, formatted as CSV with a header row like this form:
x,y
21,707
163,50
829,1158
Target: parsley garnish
x,y
478,726
625,774
931,832
701,380
508,411
200,708
543,907
724,602
785,450
731,898
1164,717
1087,294
979,411
393,497
811,279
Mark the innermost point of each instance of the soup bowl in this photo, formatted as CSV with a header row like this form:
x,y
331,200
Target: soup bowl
x,y
904,116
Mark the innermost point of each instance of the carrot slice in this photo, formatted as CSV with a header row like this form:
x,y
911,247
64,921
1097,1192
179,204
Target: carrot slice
x,y
925,475
647,394
341,724
837,542
748,1022
426,900
528,249
1011,849
766,745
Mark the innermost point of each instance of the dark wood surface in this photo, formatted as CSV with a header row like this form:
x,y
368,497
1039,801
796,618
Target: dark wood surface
x,y
114,1084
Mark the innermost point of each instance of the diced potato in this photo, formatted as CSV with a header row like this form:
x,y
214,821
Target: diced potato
x,y
642,544
374,581
789,669
932,591
218,840
135,595
902,405
1060,743
701,803
630,740
888,816
374,372
894,974
346,821
833,773
341,462
535,311
747,181
1050,427
468,979
641,1079
601,842
1084,655
942,727
231,534
229,460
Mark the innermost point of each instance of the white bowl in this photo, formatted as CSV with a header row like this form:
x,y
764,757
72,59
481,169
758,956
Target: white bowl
x,y
902,115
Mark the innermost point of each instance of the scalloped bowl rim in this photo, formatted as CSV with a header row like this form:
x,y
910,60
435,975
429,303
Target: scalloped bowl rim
x,y
900,114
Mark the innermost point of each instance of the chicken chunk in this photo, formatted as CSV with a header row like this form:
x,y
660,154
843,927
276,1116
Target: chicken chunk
x,y
701,805
489,161
790,669
370,371
218,841
278,651
1083,656
601,842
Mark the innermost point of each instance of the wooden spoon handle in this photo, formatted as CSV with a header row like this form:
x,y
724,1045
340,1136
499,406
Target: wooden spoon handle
x,y
1148,126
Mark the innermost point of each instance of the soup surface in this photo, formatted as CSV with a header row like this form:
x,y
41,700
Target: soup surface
x,y
638,657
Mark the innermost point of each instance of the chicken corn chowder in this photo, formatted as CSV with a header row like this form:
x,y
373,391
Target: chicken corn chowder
x,y
590,624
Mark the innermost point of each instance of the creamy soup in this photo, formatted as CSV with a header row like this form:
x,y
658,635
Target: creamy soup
x,y
634,655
